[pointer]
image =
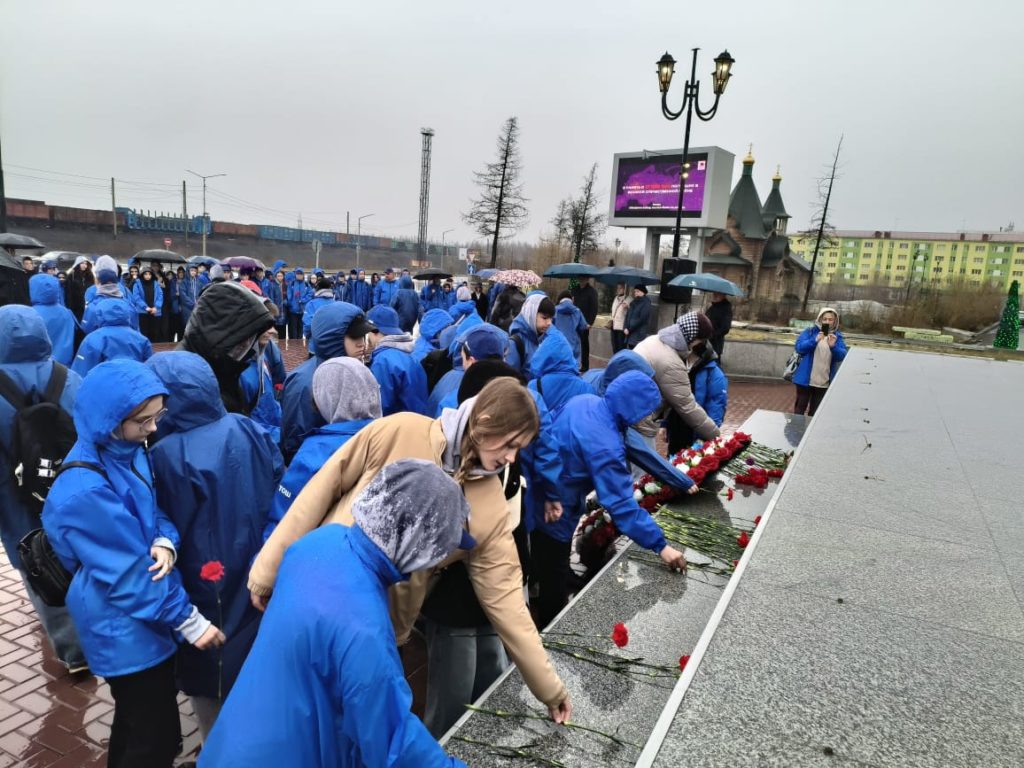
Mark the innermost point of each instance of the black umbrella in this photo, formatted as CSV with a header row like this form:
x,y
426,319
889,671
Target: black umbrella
x,y
157,254
628,275
11,241
6,262
571,269
431,273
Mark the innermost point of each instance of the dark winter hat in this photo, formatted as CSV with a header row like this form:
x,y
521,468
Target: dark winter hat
x,y
640,287
324,284
480,373
389,271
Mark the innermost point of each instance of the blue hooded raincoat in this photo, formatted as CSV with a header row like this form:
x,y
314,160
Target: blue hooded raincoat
x,y
299,416
406,303
590,434
91,316
431,325
25,356
556,374
216,473
114,338
403,381
569,320
807,347
46,295
385,291
102,529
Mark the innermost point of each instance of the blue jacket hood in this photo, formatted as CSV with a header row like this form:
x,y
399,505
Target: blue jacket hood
x,y
621,362
329,326
433,322
112,312
631,397
44,289
277,265
554,355
24,339
110,392
405,282
565,308
195,395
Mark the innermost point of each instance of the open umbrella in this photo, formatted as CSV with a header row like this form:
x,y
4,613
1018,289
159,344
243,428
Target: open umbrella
x,y
486,274
209,261
243,263
12,242
571,269
627,275
431,273
520,278
707,282
158,254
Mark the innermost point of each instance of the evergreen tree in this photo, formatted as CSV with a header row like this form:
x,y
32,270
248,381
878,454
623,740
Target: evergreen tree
x,y
1008,335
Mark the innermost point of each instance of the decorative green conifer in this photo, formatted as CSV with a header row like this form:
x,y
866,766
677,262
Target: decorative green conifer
x,y
1008,335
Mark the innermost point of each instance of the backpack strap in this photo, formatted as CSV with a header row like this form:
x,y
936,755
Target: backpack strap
x,y
10,392
55,388
82,465
520,348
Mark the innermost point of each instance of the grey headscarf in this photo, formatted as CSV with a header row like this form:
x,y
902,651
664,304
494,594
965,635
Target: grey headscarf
x,y
106,278
414,512
345,390
681,332
529,310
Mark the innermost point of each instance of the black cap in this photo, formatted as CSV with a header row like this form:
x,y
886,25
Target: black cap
x,y
360,327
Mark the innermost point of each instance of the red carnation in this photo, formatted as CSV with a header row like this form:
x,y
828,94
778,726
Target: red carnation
x,y
735,563
697,475
757,520
212,571
729,494
743,540
620,635
682,662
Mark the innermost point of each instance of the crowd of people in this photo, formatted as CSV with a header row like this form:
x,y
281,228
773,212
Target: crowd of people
x,y
267,541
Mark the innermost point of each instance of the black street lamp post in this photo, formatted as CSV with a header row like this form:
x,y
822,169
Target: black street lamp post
x,y
720,78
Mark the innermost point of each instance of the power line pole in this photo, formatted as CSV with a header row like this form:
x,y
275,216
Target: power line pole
x,y
3,198
184,212
205,220
113,206
428,138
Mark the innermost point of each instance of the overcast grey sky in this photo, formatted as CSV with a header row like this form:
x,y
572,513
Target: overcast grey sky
x,y
315,107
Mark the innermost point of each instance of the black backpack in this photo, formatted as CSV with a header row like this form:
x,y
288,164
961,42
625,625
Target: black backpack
x,y
43,434
436,364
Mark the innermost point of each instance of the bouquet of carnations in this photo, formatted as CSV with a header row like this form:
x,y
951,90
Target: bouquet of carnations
x,y
696,463
597,535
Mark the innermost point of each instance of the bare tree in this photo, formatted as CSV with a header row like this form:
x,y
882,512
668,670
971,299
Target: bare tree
x,y
821,228
586,220
562,222
500,211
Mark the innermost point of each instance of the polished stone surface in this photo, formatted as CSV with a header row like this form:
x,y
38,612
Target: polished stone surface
x,y
665,613
880,620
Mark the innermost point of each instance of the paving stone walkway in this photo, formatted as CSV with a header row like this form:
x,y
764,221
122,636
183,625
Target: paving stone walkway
x,y
50,718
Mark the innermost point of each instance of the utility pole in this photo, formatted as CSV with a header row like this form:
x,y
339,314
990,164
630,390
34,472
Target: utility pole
x,y
113,206
3,199
184,212
359,234
205,220
428,138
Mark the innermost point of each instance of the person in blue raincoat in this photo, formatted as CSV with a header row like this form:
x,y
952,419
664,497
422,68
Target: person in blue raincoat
x,y
385,290
26,359
148,299
556,373
113,338
481,342
710,385
570,321
44,290
431,325
822,348
589,433
464,304
406,302
259,389
348,398
322,297
108,288
299,294
532,322
639,453
188,294
273,290
432,296
403,382
216,473
323,686
358,291
339,330
126,599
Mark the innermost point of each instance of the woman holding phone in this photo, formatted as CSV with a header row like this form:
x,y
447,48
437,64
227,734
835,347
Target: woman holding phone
x,y
821,348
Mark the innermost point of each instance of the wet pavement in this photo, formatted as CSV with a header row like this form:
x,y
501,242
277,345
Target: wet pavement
x,y
50,718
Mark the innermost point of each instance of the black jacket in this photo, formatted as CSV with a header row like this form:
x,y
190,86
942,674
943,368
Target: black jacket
x,y
720,315
585,299
637,319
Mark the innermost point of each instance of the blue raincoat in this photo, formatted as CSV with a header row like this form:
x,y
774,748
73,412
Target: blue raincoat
x,y
138,297
316,449
215,474
299,416
523,328
711,390
407,304
323,687
431,325
569,320
556,375
807,346
403,381
432,297
460,309
91,316
102,529
359,293
46,295
638,451
188,295
275,363
272,291
299,294
113,338
590,434
258,389
385,291
25,356
321,298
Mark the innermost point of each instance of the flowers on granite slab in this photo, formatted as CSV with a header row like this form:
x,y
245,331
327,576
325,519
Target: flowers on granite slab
x,y
682,662
742,540
595,541
696,464
620,635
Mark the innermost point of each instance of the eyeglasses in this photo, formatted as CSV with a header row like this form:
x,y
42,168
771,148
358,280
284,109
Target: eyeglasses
x,y
155,419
